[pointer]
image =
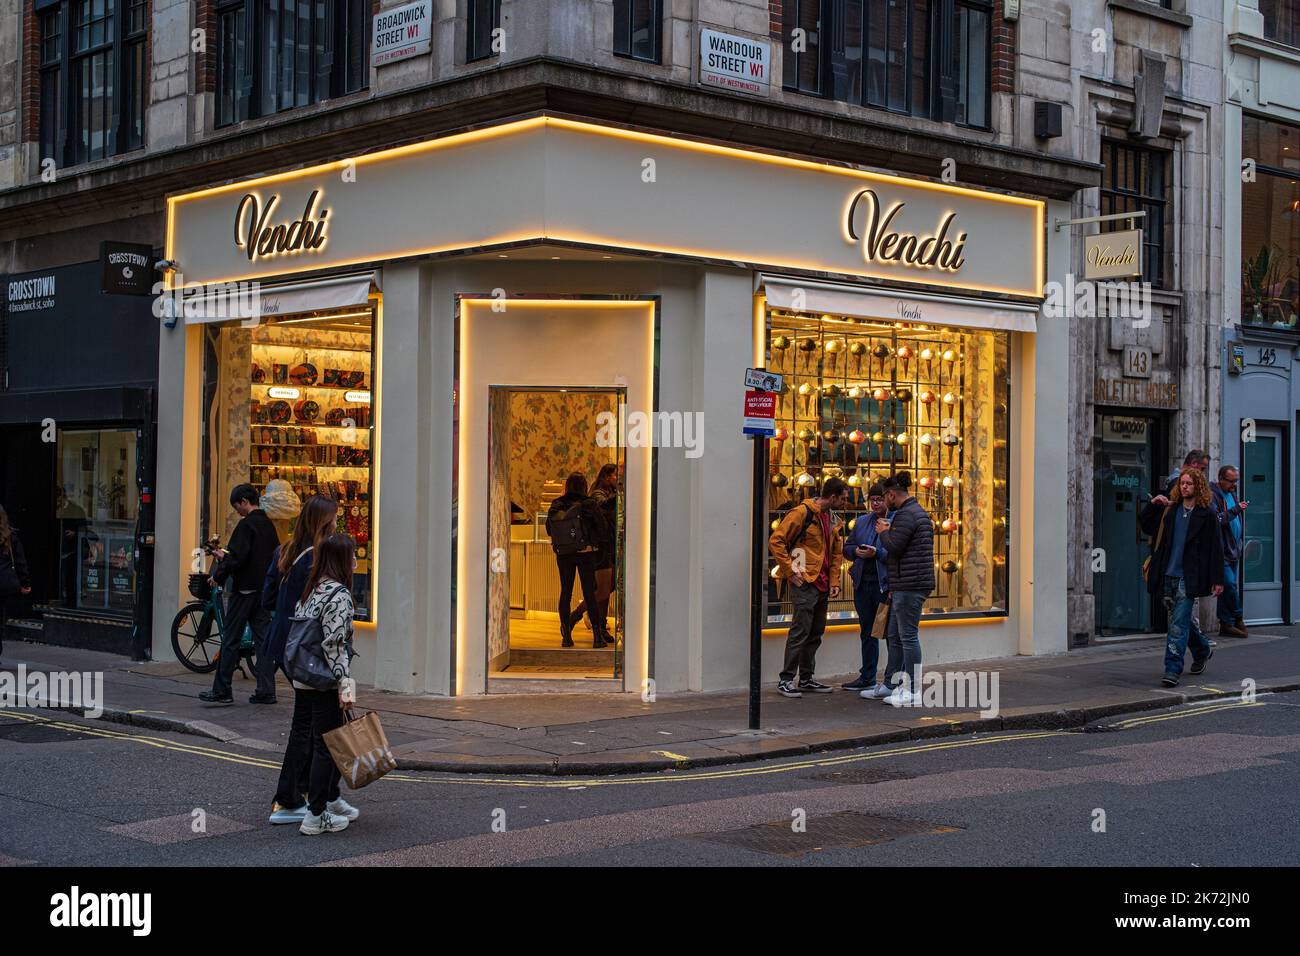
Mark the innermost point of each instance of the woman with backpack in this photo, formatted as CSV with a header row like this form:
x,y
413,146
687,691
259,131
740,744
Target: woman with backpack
x,y
286,579
326,598
578,532
14,579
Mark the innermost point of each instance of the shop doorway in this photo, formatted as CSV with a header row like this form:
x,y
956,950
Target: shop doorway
x,y
1123,477
1264,544
539,441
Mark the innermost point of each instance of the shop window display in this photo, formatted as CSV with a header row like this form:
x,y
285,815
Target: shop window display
x,y
96,507
864,398
290,410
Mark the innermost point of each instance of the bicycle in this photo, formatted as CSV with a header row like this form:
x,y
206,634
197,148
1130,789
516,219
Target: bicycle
x,y
193,627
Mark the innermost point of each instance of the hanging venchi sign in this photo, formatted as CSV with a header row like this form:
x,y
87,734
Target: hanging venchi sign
x,y
1113,255
126,268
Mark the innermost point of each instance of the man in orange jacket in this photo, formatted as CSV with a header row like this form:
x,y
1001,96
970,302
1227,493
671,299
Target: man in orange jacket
x,y
809,547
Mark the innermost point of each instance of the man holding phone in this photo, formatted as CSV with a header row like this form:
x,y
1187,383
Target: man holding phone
x,y
870,587
1229,511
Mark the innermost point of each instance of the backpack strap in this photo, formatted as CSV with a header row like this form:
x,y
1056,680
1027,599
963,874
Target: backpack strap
x,y
812,516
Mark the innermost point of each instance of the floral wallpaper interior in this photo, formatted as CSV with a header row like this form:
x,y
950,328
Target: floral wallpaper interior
x,y
553,434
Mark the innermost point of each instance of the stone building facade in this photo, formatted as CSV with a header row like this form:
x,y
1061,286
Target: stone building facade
x,y
948,94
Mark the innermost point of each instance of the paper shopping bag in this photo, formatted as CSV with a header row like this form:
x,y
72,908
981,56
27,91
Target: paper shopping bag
x,y
360,750
880,626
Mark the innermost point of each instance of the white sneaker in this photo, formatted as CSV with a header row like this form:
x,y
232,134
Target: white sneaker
x,y
280,815
900,698
341,808
313,825
879,692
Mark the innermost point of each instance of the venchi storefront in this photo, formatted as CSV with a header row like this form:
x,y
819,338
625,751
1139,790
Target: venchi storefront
x,y
441,334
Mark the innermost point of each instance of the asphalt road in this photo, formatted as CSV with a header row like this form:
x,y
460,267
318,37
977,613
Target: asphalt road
x,y
1201,785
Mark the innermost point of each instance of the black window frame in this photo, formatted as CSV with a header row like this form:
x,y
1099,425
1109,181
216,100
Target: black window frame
x,y
1284,29
477,14
1157,202
337,56
116,48
929,40
626,26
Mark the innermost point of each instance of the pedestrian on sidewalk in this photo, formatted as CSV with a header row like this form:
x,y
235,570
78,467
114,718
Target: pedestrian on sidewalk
x,y
286,580
605,494
908,537
1187,563
14,577
243,562
1200,460
870,588
1229,511
328,596
809,550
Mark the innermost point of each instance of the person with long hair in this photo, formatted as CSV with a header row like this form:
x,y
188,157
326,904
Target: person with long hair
x,y
605,494
328,596
1186,563
286,579
14,577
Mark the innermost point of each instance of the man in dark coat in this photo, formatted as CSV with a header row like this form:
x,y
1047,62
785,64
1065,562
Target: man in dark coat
x,y
1230,511
243,562
1187,563
908,537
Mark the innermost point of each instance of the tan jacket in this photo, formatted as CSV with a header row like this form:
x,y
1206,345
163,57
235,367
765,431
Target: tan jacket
x,y
813,544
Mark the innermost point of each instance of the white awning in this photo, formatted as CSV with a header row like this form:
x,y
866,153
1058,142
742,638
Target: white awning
x,y
240,301
843,298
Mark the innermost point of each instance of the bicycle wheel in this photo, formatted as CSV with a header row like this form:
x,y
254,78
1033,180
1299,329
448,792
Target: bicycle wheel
x,y
193,639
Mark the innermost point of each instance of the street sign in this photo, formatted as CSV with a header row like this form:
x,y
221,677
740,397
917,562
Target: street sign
x,y
735,63
762,380
401,32
760,414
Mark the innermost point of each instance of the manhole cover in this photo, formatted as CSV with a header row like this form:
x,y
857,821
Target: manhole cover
x,y
25,733
861,775
835,831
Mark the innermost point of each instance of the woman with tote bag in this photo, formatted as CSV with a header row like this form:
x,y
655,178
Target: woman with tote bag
x,y
327,599
285,580
14,579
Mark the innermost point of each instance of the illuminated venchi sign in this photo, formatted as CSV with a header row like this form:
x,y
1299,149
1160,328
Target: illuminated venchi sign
x,y
260,240
881,242
556,180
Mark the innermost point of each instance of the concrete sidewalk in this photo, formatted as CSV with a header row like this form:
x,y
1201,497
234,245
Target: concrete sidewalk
x,y
608,733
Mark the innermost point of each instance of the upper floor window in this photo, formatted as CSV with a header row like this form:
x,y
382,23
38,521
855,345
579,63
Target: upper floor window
x,y
275,55
637,26
890,54
483,22
1270,236
93,75
1136,179
1281,20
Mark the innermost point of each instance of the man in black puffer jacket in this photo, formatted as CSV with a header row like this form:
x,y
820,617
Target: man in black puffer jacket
x,y
908,536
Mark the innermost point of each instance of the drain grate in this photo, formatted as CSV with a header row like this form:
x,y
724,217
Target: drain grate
x,y
25,733
861,775
835,831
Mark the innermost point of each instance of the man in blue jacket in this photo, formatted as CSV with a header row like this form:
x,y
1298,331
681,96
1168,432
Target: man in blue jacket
x,y
1229,511
870,586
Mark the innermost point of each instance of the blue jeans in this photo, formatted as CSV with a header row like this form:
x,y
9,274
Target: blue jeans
x,y
1181,628
866,599
904,639
1229,608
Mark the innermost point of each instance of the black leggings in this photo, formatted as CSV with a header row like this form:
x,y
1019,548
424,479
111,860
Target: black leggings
x,y
585,566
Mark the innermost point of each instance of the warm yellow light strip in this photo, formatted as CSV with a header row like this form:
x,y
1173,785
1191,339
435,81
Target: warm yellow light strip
x,y
468,389
760,329
930,622
375,471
